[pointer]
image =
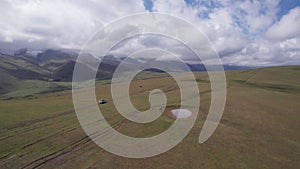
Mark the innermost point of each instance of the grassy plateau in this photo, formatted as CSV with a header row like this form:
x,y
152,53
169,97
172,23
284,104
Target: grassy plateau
x,y
259,128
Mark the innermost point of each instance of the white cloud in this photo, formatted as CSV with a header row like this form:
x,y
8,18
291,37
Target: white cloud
x,y
256,15
59,23
287,27
243,32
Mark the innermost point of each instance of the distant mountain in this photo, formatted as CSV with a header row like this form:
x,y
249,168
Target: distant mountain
x,y
16,71
39,71
27,52
201,67
29,68
22,68
196,67
51,55
58,65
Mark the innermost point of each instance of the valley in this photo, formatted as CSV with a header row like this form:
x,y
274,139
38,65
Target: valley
x,y
259,128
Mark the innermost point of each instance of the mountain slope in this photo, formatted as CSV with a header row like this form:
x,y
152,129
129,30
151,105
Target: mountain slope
x,y
259,127
52,70
282,78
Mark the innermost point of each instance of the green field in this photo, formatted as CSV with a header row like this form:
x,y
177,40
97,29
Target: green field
x,y
259,128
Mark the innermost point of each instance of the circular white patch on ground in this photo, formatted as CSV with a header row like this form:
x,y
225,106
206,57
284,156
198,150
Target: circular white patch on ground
x,y
181,113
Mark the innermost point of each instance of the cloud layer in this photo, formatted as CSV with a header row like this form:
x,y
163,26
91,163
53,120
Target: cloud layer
x,y
243,32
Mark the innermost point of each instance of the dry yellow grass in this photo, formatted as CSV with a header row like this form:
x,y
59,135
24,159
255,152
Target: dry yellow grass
x,y
259,129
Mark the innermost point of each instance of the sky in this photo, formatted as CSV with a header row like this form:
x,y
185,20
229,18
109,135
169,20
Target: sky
x,y
244,32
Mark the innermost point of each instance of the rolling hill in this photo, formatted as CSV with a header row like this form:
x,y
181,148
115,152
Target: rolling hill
x,y
31,72
259,128
51,70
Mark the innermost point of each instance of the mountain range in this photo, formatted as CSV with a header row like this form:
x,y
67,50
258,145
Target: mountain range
x,y
36,71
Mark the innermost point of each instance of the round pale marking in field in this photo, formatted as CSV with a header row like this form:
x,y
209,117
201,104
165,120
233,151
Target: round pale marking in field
x,y
181,113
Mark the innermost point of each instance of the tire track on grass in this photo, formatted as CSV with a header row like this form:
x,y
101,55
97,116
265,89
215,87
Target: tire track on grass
x,y
38,163
30,122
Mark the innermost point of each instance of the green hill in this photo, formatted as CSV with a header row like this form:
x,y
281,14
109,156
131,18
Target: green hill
x,y
259,128
283,78
25,75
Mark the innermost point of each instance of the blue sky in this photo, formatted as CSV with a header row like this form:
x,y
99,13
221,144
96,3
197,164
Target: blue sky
x,y
284,6
148,5
244,32
261,32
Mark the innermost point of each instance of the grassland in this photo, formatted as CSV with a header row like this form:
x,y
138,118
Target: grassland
x,y
259,129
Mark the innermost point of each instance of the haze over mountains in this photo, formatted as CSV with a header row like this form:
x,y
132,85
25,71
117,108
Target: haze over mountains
x,y
52,68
